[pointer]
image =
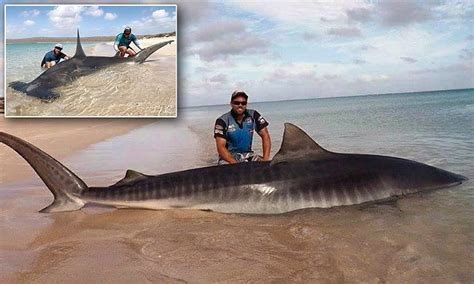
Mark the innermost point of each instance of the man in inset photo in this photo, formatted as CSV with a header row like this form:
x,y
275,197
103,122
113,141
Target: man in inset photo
x,y
53,57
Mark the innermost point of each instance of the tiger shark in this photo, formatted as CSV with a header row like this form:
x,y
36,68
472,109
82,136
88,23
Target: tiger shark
x,y
79,65
301,175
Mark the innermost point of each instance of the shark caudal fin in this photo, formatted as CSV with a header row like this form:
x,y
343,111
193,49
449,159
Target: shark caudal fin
x,y
79,51
146,52
63,183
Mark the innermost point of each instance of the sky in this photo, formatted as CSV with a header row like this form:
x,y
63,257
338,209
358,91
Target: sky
x,y
62,21
276,50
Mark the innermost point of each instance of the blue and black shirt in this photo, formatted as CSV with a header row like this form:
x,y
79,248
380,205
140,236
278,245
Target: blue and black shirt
x,y
239,135
51,56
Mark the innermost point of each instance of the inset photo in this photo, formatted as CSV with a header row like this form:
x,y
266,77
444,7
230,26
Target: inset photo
x,y
90,61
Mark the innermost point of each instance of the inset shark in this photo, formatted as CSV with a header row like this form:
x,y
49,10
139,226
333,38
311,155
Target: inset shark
x,y
79,65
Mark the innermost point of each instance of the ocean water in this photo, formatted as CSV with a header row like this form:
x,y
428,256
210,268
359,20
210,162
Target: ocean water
x,y
422,238
22,61
113,91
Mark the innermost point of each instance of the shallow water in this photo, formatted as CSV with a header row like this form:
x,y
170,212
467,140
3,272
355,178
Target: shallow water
x,y
423,238
147,89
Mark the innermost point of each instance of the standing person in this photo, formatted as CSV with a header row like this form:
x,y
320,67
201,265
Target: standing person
x,y
233,132
123,40
53,57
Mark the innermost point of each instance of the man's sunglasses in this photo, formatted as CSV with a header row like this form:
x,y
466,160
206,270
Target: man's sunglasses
x,y
239,103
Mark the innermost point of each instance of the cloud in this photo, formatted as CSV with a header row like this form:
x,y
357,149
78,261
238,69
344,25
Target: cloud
x,y
220,40
399,13
30,13
408,59
470,37
310,36
12,31
110,16
29,23
345,32
467,53
386,49
159,14
308,13
291,73
191,13
454,70
223,48
454,10
372,78
359,61
66,17
93,11
366,47
158,21
220,78
359,14
219,30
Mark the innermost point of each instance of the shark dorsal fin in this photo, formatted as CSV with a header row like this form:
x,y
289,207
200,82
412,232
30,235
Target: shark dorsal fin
x,y
79,51
131,176
297,145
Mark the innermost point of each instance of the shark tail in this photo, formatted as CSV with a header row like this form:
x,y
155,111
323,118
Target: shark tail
x,y
19,86
62,182
146,52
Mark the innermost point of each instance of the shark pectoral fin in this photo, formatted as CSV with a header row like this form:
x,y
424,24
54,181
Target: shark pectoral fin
x,y
63,203
146,52
131,176
45,95
19,86
297,145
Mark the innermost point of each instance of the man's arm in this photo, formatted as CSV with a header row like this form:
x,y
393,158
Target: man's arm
x,y
43,62
136,42
223,152
116,42
266,143
262,130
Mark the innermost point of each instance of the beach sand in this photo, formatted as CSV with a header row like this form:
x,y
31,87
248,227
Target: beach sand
x,y
58,137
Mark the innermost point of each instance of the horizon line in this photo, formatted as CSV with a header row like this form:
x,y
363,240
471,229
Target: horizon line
x,y
345,96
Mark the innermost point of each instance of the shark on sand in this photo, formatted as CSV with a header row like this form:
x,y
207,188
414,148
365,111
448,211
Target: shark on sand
x,y
301,175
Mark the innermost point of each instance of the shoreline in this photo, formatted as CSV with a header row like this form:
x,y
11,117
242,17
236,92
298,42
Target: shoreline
x,y
83,39
59,139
